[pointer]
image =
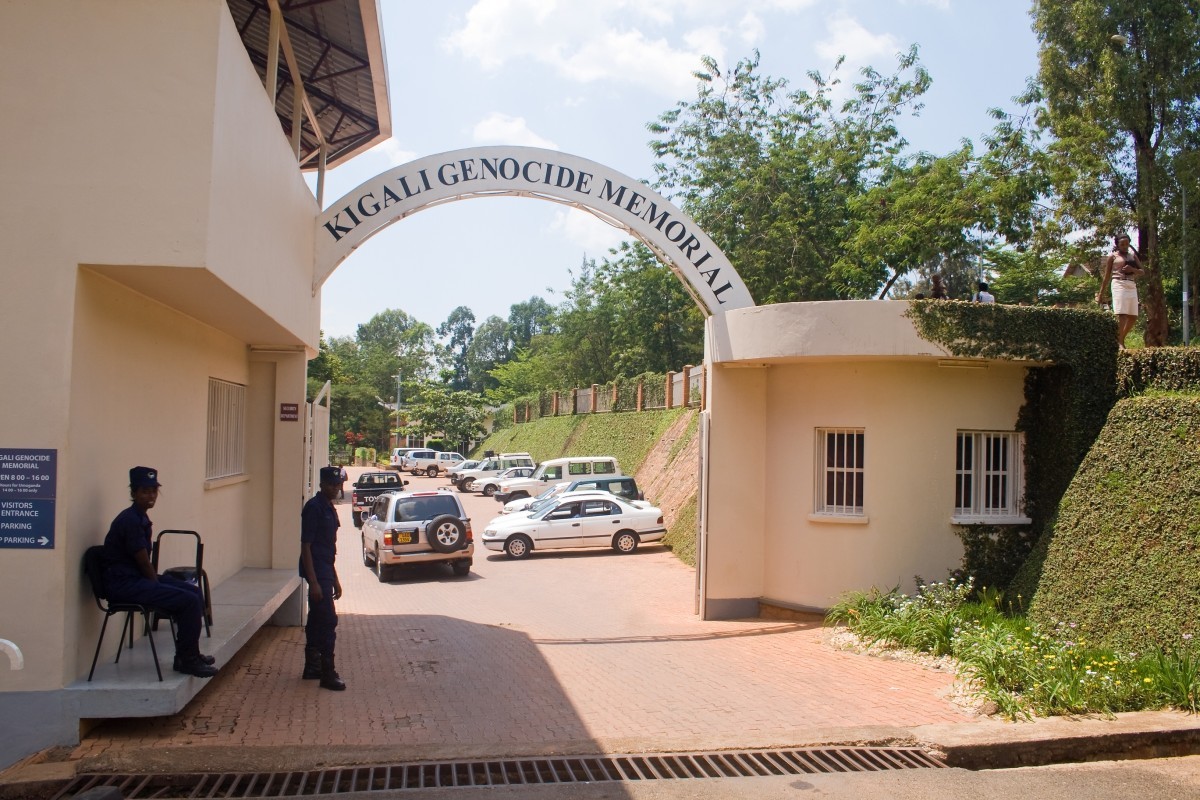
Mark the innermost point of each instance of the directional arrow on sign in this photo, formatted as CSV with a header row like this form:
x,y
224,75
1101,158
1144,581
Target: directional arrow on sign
x,y
43,541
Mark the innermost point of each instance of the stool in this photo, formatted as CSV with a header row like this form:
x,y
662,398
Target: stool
x,y
194,575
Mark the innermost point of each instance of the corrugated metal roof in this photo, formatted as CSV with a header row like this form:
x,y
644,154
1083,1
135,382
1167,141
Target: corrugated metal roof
x,y
339,51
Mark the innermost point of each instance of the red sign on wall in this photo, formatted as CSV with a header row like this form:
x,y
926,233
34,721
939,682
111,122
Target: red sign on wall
x,y
289,412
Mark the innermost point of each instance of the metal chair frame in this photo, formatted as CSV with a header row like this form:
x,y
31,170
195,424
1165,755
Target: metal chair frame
x,y
94,568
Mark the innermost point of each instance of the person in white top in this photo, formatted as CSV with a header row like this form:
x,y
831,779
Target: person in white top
x,y
1121,268
984,295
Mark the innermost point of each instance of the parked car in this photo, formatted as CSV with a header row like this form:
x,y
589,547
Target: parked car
x,y
623,486
431,462
576,519
488,485
398,453
416,528
492,466
453,473
557,469
523,504
369,486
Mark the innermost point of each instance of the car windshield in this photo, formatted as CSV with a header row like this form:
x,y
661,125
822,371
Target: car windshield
x,y
468,464
418,509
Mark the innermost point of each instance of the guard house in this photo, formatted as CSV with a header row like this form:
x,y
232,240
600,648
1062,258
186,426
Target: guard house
x,y
843,452
159,309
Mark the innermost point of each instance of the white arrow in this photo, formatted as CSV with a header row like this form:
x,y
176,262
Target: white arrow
x,y
43,541
15,658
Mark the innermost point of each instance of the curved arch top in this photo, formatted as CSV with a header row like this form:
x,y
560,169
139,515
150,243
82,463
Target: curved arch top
x,y
531,172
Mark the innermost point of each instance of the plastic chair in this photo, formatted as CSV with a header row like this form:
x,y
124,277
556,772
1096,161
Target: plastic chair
x,y
93,566
194,574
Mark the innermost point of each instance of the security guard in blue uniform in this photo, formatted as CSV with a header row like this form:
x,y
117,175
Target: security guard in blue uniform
x,y
318,551
129,577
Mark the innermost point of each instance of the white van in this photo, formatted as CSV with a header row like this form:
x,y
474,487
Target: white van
x,y
556,469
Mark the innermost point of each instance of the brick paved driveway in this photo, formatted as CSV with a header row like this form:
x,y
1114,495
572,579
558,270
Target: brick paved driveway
x,y
571,652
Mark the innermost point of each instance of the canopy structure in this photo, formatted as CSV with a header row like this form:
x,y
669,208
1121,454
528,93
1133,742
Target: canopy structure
x,y
334,50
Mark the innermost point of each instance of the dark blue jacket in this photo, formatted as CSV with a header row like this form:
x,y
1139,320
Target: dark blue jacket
x,y
318,527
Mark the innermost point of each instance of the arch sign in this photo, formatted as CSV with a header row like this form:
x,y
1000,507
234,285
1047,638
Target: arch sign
x,y
532,172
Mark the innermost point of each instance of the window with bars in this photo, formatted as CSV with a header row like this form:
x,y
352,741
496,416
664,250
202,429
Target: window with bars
x,y
987,474
839,470
226,451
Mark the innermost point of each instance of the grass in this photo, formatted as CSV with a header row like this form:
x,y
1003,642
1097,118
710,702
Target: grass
x,y
1025,669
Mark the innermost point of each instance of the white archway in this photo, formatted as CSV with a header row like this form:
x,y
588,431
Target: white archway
x,y
532,172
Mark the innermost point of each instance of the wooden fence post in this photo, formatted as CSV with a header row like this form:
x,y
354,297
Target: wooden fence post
x,y
670,385
595,391
574,401
687,385
640,390
554,403
612,406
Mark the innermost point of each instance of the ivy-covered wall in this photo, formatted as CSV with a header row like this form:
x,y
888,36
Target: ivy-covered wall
x,y
1066,402
1122,559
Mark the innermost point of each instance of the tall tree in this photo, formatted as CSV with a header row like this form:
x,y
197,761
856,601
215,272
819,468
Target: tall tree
x,y
490,347
1122,83
458,329
771,175
456,415
529,319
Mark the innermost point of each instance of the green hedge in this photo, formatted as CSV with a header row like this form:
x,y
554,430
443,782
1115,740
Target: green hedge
x,y
1173,369
1122,559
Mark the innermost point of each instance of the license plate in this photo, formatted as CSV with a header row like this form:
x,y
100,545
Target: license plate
x,y
402,537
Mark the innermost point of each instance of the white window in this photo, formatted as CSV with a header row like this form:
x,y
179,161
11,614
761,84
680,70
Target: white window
x,y
226,453
987,474
839,471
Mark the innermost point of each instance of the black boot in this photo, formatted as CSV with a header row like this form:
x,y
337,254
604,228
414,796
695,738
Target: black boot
x,y
329,677
312,663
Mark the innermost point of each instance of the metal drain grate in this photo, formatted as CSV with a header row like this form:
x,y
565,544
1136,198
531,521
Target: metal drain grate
x,y
511,772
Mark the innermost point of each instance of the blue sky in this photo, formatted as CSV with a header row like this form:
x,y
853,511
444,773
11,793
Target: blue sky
x,y
584,77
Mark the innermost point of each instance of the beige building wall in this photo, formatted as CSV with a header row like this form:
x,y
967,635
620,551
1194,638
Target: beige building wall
x,y
910,412
780,373
157,232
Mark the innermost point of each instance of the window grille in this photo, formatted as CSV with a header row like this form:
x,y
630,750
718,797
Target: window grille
x,y
839,470
987,474
226,451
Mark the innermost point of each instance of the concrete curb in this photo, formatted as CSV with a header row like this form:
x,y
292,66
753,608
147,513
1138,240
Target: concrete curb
x,y
1059,740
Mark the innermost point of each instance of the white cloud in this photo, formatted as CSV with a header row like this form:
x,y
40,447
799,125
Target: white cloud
x,y
497,128
391,151
849,38
940,5
591,235
656,46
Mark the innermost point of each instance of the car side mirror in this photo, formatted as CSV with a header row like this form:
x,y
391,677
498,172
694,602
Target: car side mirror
x,y
404,482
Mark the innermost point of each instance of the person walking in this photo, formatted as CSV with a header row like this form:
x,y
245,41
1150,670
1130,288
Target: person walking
x,y
318,551
342,476
1121,268
129,575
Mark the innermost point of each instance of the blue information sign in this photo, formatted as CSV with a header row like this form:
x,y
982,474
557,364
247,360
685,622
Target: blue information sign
x,y
28,482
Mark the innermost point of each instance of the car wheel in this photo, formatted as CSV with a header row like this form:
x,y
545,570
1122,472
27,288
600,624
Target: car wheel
x,y
625,542
461,568
518,495
366,554
518,546
381,572
489,490
357,518
465,484
446,533
415,472
431,472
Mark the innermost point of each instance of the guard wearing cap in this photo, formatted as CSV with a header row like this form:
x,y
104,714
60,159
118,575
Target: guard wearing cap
x,y
129,577
318,551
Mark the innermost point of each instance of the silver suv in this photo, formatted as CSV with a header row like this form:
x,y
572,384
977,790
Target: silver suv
x,y
489,467
416,528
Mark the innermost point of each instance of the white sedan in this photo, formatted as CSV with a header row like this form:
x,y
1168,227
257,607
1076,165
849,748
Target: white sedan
x,y
576,519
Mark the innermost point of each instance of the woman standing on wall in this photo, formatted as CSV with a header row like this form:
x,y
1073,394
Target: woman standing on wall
x,y
1121,267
